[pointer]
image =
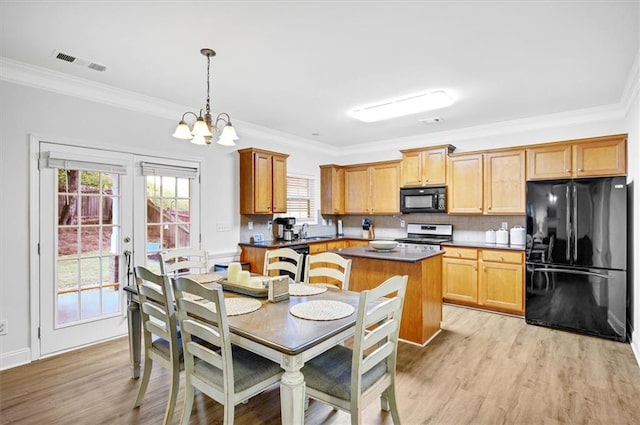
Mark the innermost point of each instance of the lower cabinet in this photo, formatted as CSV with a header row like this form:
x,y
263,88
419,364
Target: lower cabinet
x,y
486,278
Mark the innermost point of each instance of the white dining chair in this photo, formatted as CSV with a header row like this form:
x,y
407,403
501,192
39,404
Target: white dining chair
x,y
283,259
183,260
348,379
162,343
328,268
227,375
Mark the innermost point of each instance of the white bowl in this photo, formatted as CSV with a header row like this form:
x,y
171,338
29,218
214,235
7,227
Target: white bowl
x,y
383,245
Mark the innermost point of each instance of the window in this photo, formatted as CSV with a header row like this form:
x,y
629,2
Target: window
x,y
301,198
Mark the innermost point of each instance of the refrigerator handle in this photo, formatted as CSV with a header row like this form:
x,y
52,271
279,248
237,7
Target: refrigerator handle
x,y
568,224
574,224
571,271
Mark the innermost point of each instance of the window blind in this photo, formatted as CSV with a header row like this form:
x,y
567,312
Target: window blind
x,y
153,169
66,161
301,198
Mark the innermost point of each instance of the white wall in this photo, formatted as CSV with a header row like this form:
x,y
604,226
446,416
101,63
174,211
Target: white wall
x,y
56,117
26,111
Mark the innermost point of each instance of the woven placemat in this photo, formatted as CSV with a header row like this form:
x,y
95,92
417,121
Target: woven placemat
x,y
322,310
302,289
237,306
205,277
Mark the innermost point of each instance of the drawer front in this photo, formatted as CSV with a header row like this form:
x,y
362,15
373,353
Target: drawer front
x,y
314,248
455,252
502,256
335,245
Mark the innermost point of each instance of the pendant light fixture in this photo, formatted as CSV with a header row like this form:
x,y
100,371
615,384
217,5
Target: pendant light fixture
x,y
204,127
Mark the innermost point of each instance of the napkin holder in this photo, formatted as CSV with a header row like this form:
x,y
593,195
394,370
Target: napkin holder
x,y
278,289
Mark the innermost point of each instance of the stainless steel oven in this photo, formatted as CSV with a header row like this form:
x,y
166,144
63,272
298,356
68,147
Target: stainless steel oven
x,y
426,237
423,199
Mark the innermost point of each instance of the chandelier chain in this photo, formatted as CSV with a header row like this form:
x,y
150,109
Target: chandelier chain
x,y
208,107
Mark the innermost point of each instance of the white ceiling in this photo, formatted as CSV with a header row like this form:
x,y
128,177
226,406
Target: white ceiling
x,y
300,66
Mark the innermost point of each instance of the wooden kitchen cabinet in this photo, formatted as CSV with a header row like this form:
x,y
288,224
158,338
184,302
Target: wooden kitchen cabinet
x,y
425,166
504,182
491,183
485,278
501,280
593,157
459,279
372,188
331,189
464,192
263,181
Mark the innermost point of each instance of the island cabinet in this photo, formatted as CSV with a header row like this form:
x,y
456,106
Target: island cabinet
x,y
490,183
372,188
331,189
486,278
425,166
263,181
422,310
593,157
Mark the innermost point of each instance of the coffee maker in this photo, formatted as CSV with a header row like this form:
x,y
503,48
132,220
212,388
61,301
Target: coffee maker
x,y
284,228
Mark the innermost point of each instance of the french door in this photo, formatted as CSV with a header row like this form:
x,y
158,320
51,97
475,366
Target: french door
x,y
100,213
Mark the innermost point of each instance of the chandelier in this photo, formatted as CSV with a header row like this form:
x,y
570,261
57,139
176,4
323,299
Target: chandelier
x,y
205,127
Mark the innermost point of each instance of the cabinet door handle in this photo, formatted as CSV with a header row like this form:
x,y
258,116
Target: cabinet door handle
x,y
579,169
501,258
459,254
489,207
484,269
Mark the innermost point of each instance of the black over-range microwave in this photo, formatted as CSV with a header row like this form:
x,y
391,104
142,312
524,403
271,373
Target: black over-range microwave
x,y
423,199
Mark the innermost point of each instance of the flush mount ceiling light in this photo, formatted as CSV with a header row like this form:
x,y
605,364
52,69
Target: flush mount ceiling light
x,y
403,106
204,127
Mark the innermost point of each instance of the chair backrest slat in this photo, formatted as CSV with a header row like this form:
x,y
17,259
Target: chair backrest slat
x,y
283,259
328,265
188,259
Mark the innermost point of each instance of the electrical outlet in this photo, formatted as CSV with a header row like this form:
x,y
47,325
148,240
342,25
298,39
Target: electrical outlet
x,y
250,225
402,223
4,327
505,225
223,227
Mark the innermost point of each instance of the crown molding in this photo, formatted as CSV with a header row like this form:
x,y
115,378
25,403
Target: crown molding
x,y
21,73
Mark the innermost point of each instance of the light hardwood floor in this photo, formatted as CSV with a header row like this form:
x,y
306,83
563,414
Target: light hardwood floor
x,y
483,368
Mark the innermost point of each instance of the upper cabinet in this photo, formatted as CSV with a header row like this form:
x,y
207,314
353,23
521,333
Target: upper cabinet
x,y
464,192
372,188
263,181
594,157
504,182
491,183
425,166
331,189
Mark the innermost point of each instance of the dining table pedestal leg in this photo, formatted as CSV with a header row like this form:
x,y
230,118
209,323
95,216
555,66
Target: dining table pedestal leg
x,y
292,395
135,336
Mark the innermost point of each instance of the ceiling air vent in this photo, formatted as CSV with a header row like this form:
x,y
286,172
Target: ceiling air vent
x,y
85,63
65,57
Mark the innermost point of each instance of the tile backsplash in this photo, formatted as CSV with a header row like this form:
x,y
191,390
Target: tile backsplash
x,y
465,227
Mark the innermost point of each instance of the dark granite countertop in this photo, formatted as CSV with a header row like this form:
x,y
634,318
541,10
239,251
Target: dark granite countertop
x,y
411,255
471,244
276,243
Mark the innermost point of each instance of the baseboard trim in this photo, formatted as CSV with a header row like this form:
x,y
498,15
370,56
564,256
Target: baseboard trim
x,y
635,346
15,358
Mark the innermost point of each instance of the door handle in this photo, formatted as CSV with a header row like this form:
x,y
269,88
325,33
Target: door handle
x,y
579,272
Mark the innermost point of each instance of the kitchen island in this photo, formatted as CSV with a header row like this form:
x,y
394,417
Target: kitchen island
x,y
422,312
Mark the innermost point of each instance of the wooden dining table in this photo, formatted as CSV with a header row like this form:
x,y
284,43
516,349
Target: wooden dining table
x,y
273,332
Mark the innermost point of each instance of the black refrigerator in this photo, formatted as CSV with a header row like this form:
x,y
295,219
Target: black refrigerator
x,y
576,264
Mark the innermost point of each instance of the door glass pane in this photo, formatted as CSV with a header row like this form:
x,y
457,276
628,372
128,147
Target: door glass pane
x,y
168,216
87,269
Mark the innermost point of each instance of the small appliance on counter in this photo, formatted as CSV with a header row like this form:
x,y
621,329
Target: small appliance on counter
x,y
490,236
284,228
